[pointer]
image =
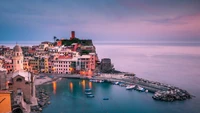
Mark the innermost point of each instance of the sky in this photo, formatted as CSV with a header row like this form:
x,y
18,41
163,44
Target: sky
x,y
100,20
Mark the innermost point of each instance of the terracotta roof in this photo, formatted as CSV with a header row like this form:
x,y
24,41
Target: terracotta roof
x,y
64,57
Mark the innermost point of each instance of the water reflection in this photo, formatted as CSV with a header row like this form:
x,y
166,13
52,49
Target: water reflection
x,y
90,85
54,87
71,87
83,84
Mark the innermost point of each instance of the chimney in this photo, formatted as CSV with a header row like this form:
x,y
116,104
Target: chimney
x,y
72,34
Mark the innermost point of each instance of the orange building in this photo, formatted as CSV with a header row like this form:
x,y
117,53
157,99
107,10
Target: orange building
x,y
5,102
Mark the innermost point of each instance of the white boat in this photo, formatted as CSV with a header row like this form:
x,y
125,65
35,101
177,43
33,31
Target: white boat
x,y
88,93
116,83
140,88
90,96
129,87
88,90
97,81
100,81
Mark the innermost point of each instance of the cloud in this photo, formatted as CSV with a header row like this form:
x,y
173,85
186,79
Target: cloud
x,y
100,20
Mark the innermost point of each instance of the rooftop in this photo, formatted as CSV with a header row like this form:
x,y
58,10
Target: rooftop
x,y
22,73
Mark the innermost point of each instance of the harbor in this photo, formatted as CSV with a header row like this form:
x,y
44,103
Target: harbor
x,y
106,95
162,92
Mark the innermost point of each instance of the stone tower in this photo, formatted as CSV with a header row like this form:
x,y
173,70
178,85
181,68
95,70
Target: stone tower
x,y
17,58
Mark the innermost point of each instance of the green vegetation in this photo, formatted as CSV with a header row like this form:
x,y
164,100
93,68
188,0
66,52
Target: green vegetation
x,y
67,42
86,42
85,52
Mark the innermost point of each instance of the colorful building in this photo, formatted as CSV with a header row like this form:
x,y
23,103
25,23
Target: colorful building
x,y
44,65
63,64
8,66
26,65
5,102
34,64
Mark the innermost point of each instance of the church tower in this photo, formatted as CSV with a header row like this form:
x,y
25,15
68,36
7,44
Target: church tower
x,y
17,58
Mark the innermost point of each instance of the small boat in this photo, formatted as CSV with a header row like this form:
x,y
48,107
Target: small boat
x,y
100,81
87,90
105,98
88,93
97,81
140,89
122,85
90,96
92,80
129,87
116,83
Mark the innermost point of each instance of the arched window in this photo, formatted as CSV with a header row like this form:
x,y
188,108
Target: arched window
x,y
17,54
19,80
18,62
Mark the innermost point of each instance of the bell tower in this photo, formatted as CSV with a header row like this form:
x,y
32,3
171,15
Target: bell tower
x,y
17,58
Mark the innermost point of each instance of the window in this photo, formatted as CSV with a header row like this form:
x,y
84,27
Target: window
x,y
18,62
19,80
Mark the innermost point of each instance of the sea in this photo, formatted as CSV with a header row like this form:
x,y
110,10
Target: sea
x,y
177,64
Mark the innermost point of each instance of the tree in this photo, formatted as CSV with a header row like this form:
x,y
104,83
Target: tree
x,y
54,38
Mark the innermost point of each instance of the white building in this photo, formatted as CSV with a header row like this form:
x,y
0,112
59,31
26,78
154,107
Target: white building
x,y
55,49
62,64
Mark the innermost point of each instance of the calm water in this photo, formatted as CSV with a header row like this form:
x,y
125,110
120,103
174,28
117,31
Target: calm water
x,y
175,65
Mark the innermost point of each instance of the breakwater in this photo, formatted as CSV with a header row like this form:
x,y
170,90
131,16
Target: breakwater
x,y
162,92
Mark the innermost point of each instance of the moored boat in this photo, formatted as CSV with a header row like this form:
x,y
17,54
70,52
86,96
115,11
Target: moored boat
x,y
129,87
139,88
105,98
88,93
90,96
87,90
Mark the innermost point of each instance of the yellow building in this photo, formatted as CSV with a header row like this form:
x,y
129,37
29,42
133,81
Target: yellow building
x,y
44,64
5,102
26,65
34,64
